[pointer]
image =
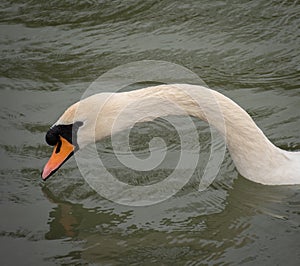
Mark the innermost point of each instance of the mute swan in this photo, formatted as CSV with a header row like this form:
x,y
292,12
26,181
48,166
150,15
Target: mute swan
x,y
92,118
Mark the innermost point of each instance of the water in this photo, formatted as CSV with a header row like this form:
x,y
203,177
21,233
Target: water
x,y
51,52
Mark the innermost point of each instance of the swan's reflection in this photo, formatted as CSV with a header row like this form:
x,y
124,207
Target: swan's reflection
x,y
250,210
63,220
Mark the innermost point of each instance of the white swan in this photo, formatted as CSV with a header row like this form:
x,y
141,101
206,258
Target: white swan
x,y
95,117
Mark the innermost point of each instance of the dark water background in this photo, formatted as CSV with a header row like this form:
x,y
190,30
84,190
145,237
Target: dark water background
x,y
50,53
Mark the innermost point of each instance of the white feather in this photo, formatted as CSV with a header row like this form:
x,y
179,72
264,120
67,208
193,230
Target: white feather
x,y
255,157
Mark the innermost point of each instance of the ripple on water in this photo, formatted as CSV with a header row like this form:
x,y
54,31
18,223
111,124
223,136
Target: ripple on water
x,y
51,52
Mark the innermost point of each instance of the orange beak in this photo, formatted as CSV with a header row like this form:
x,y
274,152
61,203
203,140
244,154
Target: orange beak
x,y
63,150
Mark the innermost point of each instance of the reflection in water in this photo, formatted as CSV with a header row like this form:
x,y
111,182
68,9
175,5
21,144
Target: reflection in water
x,y
62,220
203,238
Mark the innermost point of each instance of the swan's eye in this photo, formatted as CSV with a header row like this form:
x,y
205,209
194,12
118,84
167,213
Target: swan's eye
x,y
66,131
52,136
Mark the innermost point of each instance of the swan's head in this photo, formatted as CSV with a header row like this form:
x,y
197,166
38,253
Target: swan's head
x,y
82,123
63,135
64,139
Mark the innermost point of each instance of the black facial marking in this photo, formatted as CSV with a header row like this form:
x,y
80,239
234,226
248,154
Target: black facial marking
x,y
52,136
69,132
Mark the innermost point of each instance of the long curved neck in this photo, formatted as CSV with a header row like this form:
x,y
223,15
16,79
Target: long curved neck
x,y
255,157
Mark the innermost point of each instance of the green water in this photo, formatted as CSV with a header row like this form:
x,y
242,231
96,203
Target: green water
x,y
52,51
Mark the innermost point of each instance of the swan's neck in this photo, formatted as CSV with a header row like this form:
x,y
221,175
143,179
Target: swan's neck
x,y
255,157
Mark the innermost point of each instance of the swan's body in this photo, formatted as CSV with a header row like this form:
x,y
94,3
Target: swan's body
x,y
255,157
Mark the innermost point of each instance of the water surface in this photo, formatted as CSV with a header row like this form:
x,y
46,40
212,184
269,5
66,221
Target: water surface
x,y
51,52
